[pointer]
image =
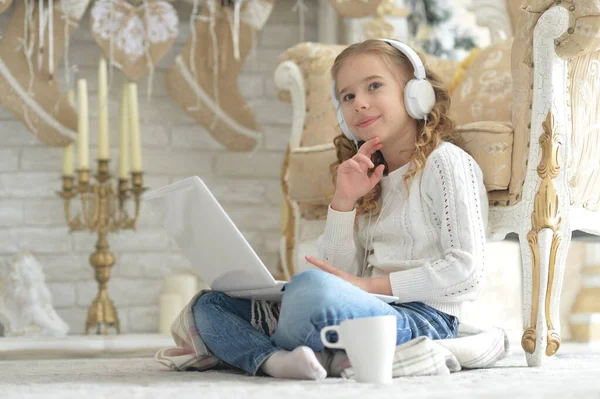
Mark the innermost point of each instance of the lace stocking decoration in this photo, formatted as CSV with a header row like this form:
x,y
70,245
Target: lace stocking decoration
x,y
29,51
221,40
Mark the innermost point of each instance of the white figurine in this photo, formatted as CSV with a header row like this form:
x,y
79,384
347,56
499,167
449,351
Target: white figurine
x,y
25,301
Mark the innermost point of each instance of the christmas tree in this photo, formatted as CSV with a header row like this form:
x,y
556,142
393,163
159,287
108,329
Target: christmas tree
x,y
438,29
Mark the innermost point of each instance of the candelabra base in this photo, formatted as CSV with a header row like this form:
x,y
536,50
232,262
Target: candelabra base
x,y
102,316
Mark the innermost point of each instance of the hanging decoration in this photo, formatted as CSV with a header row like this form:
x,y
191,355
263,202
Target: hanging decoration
x,y
203,78
134,38
33,42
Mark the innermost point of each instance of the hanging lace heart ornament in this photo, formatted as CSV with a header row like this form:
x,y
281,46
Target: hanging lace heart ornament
x,y
134,38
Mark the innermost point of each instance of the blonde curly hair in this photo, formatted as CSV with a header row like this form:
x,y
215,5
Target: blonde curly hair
x,y
439,125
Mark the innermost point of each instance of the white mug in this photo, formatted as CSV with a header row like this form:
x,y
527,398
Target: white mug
x,y
370,343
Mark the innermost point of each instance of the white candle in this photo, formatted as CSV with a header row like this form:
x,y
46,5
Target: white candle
x,y
134,129
68,150
83,125
102,111
124,136
184,285
170,305
68,160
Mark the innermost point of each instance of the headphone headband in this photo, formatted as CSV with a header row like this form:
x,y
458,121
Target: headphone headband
x,y
419,96
412,56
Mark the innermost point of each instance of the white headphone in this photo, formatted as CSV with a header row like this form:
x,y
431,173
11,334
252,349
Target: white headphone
x,y
419,97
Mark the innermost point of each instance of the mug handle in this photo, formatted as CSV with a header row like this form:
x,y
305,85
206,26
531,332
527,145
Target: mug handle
x,y
334,345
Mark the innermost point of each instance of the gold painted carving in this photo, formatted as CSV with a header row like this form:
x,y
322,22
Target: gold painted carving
x,y
287,225
546,215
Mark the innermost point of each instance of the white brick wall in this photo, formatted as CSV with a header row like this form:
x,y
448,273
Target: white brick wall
x,y
31,215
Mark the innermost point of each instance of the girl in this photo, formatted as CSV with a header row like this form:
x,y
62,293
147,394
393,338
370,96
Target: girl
x,y
408,219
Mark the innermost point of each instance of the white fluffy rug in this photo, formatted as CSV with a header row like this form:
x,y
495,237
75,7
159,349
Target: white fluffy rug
x,y
574,372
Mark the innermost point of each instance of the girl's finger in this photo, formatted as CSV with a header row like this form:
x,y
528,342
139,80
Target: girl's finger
x,y
377,175
326,267
365,160
370,146
331,270
312,260
367,147
316,262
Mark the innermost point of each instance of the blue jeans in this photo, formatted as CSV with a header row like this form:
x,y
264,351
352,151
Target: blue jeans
x,y
240,334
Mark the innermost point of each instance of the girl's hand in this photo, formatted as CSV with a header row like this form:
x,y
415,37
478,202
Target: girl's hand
x,y
353,180
380,285
360,282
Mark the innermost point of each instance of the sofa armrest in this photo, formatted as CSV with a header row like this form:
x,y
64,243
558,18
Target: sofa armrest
x,y
540,85
304,74
542,130
306,169
289,78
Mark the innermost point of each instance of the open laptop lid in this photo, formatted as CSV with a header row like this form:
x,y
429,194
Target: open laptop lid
x,y
217,250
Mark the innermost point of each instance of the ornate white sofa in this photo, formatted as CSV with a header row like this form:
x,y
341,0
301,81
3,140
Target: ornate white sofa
x,y
537,153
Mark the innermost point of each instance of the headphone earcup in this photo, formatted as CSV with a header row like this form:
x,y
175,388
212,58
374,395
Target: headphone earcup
x,y
419,98
340,115
344,126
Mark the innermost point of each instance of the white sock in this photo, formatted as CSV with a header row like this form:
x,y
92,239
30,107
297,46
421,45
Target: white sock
x,y
334,361
299,364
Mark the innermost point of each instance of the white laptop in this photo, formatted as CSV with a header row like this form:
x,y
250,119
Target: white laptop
x,y
217,250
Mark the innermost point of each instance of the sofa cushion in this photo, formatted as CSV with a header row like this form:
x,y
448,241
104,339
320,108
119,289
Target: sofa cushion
x,y
485,92
490,144
445,69
308,174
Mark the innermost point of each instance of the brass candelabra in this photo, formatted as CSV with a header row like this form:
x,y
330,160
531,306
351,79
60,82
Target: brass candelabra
x,y
102,212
